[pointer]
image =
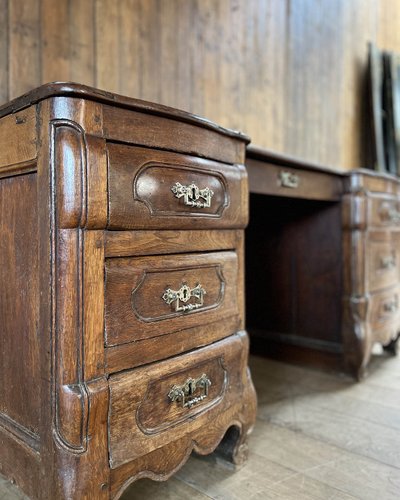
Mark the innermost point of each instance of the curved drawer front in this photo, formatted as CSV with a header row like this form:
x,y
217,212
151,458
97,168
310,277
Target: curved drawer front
x,y
190,390
147,296
150,189
384,211
159,403
383,261
385,314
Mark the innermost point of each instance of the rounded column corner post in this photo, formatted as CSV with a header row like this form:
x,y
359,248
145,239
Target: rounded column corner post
x,y
355,211
80,176
356,335
79,386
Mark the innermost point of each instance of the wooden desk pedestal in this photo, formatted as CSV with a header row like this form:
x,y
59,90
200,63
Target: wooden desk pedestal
x,y
121,292
322,266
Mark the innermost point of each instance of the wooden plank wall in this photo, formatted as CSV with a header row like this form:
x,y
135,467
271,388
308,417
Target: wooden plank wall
x,y
290,73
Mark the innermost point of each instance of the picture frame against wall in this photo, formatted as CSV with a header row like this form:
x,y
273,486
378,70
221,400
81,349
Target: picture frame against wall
x,y
392,69
375,80
388,99
384,97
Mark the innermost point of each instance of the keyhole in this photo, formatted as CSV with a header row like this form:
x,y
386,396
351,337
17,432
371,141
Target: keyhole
x,y
191,388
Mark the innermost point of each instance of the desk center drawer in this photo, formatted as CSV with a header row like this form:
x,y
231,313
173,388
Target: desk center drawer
x,y
151,296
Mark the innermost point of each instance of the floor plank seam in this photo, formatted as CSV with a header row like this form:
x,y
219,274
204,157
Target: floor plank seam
x,y
355,417
330,443
195,487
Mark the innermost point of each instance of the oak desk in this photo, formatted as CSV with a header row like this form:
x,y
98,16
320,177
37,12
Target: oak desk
x,y
322,261
122,341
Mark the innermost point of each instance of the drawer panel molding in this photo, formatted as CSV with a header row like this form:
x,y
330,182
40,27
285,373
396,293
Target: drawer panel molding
x,y
146,298
384,211
144,414
169,190
382,261
150,302
151,189
172,399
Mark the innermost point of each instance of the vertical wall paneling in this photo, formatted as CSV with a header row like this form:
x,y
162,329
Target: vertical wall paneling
x,y
184,43
3,50
296,75
196,36
150,28
358,29
56,57
290,73
67,42
130,72
329,81
210,15
82,49
24,57
388,16
107,36
168,68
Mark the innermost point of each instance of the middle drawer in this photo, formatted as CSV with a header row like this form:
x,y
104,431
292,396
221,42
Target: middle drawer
x,y
147,297
382,260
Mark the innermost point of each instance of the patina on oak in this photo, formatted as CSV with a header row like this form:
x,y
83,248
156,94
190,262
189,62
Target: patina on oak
x,y
56,366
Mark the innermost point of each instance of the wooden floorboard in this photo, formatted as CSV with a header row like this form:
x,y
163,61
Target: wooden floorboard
x,y
318,436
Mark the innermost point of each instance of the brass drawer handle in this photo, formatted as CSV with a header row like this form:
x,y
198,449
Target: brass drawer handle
x,y
388,262
289,180
394,215
183,295
391,306
184,394
192,195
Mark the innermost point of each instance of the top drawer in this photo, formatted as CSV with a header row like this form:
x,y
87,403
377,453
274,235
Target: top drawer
x,y
383,210
151,189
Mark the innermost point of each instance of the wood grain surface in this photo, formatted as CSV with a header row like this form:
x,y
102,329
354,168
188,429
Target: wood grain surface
x,y
54,384
141,182
317,436
19,407
134,290
290,73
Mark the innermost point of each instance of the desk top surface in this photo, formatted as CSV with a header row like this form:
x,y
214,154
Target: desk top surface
x,y
71,89
272,157
278,174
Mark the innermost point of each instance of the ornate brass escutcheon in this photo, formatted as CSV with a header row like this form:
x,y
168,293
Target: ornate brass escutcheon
x,y
288,179
192,195
183,295
184,394
388,212
388,262
391,306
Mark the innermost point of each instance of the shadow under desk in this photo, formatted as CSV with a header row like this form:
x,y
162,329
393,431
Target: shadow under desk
x,y
322,262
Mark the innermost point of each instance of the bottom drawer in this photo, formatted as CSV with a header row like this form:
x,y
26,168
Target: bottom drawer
x,y
384,318
159,403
